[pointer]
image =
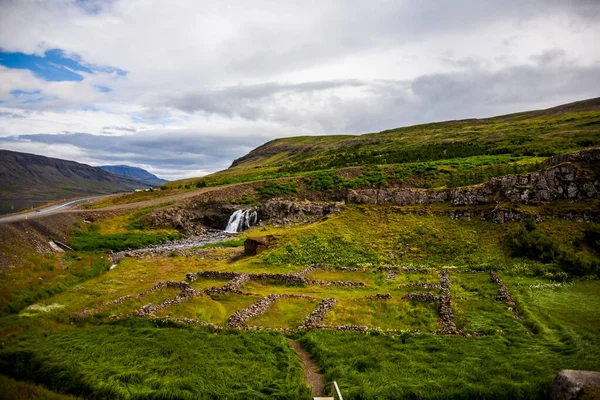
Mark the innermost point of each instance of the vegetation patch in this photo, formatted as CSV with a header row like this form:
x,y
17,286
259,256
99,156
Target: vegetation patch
x,y
92,240
528,241
274,189
145,362
335,250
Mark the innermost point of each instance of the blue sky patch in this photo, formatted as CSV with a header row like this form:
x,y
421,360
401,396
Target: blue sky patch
x,y
54,65
19,93
102,89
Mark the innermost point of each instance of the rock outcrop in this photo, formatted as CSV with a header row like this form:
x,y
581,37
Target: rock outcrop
x,y
566,181
280,212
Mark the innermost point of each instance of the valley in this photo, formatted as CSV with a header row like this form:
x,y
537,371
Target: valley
x,y
448,260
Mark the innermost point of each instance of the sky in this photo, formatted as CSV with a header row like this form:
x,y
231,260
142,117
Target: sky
x,y
183,87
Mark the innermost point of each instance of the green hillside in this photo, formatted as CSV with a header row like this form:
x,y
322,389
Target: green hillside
x,y
526,137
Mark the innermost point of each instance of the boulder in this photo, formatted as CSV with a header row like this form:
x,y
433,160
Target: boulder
x,y
571,384
256,244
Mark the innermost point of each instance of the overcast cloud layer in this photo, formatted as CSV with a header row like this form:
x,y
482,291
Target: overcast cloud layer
x,y
181,88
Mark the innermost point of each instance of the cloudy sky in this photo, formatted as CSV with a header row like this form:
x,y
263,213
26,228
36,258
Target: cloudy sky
x,y
183,87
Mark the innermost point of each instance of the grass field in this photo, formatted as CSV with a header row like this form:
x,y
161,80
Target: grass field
x,y
134,358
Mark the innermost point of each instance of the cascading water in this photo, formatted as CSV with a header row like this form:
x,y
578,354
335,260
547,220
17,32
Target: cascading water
x,y
240,220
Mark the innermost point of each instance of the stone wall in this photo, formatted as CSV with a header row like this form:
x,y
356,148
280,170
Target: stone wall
x,y
446,315
505,294
315,318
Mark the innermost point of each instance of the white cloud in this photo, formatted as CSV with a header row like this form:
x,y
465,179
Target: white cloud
x,y
239,70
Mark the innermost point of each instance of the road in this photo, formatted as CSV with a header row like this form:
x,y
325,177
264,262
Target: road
x,y
47,210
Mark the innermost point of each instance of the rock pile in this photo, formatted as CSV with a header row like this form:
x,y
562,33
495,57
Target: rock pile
x,y
349,328
283,278
308,270
163,252
315,318
505,294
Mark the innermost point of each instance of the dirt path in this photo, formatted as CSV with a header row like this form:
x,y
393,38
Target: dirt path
x,y
313,377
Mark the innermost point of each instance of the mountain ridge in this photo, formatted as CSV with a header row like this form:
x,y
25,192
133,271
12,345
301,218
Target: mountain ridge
x,y
32,176
136,173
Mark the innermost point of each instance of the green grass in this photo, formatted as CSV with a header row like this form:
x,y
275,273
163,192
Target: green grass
x,y
286,313
92,240
46,276
134,358
504,365
15,390
142,362
443,154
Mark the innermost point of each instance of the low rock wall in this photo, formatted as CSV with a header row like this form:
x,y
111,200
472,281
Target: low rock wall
x,y
446,315
505,294
315,318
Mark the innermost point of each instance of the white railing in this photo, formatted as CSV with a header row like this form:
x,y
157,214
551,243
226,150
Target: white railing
x,y
337,395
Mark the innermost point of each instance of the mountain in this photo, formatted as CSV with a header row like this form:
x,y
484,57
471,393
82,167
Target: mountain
x,y
136,173
521,138
30,176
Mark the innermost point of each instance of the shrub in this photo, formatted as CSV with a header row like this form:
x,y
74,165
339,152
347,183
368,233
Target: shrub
x,y
274,189
530,242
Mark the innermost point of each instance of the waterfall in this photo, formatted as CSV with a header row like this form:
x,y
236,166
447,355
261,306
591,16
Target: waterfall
x,y
240,220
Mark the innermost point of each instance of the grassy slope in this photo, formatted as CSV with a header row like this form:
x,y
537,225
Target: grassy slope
x,y
520,136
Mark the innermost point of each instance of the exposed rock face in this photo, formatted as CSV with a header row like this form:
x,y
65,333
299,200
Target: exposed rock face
x,y
571,384
561,182
256,244
192,218
278,211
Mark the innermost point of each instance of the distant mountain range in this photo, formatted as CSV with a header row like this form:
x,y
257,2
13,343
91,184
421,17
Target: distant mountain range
x,y
30,176
136,173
